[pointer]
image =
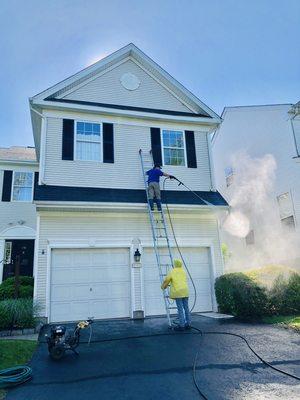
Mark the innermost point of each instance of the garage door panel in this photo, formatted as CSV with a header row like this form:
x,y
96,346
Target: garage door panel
x,y
80,275
81,259
61,259
62,292
89,282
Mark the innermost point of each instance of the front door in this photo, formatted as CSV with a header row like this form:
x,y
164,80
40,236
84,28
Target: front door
x,y
23,248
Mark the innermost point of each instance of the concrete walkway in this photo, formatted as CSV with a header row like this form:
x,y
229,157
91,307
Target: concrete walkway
x,y
160,366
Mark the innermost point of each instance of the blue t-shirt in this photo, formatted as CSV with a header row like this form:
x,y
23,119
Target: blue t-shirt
x,y
154,174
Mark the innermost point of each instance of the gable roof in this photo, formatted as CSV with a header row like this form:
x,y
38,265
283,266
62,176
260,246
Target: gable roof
x,y
57,91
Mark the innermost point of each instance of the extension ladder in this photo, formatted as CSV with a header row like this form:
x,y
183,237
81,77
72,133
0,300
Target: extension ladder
x,y
161,241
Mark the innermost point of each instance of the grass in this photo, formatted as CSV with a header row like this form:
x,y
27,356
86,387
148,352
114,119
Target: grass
x,y
15,352
289,321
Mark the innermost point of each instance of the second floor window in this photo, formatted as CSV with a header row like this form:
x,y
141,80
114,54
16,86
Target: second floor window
x,y
229,176
173,148
88,141
22,186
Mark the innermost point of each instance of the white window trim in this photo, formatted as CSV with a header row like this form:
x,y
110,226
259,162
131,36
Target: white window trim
x,y
12,188
162,147
75,140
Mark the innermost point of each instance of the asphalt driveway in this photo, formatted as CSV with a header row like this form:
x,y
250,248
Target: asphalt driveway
x,y
160,367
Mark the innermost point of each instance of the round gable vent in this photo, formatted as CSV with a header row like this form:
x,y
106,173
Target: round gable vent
x,y
130,81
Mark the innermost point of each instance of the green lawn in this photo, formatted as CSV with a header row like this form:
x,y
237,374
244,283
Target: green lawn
x,y
15,352
291,321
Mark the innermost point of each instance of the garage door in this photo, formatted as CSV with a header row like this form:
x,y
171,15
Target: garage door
x,y
89,283
197,260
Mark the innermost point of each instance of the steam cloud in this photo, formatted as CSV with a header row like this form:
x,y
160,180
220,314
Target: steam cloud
x,y
254,206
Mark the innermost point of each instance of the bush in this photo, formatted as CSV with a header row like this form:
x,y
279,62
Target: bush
x,y
292,294
17,313
241,296
268,274
7,288
285,295
277,296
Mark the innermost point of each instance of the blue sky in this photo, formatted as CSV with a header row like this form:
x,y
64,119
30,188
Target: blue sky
x,y
227,52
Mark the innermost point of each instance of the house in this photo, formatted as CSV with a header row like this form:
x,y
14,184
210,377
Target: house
x,y
18,168
90,196
255,153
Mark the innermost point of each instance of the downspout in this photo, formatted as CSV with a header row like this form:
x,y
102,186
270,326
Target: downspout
x,y
43,146
294,136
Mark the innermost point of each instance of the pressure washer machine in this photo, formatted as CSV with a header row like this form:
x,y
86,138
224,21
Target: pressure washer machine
x,y
61,339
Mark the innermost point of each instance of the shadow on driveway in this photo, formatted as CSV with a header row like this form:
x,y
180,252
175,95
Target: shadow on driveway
x,y
161,366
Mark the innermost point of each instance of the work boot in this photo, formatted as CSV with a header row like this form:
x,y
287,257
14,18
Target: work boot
x,y
187,327
158,203
151,203
178,328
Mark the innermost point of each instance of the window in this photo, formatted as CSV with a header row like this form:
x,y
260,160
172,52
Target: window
x,y
286,211
288,222
173,148
229,176
250,238
22,186
88,141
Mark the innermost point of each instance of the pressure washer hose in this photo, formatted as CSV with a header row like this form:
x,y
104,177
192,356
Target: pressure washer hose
x,y
195,291
11,377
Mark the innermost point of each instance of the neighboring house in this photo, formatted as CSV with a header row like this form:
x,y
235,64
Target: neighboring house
x,y
18,166
90,198
255,157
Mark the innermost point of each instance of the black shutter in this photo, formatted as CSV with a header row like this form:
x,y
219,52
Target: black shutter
x,y
7,183
108,143
68,139
190,149
36,182
156,145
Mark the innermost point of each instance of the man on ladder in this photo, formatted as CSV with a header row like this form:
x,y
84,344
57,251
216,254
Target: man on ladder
x,y
154,175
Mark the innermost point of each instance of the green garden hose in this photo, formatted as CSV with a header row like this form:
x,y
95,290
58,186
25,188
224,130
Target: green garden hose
x,y
14,376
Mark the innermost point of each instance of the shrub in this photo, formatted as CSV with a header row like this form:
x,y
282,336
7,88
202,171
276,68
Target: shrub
x,y
241,296
292,294
17,313
267,274
277,296
7,288
285,295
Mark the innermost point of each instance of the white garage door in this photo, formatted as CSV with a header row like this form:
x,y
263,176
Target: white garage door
x,y
89,283
197,260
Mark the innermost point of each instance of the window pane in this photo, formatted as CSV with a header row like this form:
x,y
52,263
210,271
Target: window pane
x,y
23,179
166,138
22,194
88,151
80,126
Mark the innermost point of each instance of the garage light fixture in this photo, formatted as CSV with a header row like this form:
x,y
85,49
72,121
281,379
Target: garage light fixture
x,y
137,256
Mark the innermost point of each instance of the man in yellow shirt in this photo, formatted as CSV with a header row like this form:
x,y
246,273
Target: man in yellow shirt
x,y
179,291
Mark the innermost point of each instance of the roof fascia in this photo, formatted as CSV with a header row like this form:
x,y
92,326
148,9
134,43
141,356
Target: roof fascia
x,y
18,162
127,113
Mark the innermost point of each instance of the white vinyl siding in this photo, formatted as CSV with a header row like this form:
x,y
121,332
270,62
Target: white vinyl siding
x,y
101,230
125,172
108,89
11,212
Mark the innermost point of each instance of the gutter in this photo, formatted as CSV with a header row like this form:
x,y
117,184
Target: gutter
x,y
43,145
